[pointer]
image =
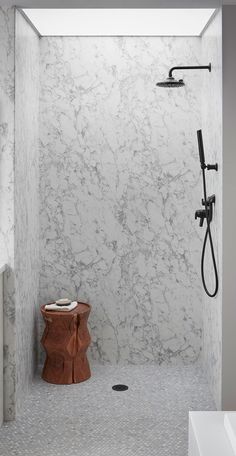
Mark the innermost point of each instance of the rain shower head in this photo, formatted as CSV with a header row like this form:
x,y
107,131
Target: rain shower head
x,y
172,82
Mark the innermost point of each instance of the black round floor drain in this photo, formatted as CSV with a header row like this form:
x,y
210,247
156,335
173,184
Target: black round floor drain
x,y
120,387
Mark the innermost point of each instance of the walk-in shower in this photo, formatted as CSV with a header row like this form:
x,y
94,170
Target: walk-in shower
x,y
207,202
102,182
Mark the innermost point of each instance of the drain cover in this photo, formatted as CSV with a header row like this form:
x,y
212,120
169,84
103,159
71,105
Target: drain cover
x,y
120,387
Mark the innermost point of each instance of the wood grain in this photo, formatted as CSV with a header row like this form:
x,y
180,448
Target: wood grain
x,y
66,339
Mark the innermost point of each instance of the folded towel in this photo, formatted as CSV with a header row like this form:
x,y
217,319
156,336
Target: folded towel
x,y
54,306
64,301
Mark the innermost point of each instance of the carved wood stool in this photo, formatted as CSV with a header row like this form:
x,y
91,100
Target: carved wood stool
x,y
65,340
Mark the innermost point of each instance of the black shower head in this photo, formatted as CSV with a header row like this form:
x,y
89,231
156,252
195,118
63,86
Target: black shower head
x,y
171,83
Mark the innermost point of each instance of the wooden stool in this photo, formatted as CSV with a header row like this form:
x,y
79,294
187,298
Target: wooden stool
x,y
65,340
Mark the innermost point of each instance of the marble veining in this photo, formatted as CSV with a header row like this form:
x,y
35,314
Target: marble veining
x,y
26,202
7,200
119,184
18,203
212,132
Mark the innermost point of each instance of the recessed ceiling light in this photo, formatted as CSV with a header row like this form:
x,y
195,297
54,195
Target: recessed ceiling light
x,y
119,22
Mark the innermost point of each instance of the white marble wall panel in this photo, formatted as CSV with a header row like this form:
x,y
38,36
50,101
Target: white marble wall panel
x,y
26,202
7,200
119,184
18,203
212,133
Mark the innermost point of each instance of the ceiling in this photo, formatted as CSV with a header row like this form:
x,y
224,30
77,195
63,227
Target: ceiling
x,y
119,21
118,3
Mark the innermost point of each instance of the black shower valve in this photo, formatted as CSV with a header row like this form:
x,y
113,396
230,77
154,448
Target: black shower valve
x,y
201,214
208,211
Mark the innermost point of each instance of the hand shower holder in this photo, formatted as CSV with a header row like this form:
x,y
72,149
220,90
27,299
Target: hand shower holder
x,y
214,167
209,167
210,201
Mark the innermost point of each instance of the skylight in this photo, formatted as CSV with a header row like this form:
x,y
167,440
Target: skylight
x,y
119,22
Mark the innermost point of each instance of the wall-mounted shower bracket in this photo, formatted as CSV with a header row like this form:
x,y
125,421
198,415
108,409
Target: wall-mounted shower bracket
x,y
210,167
210,200
215,167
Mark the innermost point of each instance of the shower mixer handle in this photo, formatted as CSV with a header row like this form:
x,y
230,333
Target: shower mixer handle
x,y
201,214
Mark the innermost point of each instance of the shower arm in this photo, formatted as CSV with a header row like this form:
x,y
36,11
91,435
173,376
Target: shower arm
x,y
205,67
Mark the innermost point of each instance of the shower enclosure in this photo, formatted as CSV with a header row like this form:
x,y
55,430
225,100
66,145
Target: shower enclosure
x,y
106,184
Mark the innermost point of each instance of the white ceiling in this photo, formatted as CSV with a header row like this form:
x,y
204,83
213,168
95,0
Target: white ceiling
x,y
119,22
118,3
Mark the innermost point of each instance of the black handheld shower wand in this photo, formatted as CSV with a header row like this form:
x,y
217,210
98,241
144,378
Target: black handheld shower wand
x,y
201,148
206,214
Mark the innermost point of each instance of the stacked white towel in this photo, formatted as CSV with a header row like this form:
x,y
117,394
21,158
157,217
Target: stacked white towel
x,y
54,306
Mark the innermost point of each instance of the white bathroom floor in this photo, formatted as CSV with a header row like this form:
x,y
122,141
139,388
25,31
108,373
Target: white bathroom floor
x,y
90,419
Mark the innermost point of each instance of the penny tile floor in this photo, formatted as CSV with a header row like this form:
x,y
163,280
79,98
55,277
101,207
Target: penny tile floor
x,y
90,419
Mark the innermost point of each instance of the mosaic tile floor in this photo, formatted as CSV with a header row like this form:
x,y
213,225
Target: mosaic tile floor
x,y
90,419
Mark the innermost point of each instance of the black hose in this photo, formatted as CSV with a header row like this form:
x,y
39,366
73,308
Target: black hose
x,y
208,234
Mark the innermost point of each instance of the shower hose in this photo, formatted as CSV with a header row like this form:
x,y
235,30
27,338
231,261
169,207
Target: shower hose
x,y
208,235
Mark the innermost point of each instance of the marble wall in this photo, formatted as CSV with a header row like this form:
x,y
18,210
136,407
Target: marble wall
x,y
7,110
119,184
26,202
212,133
19,98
